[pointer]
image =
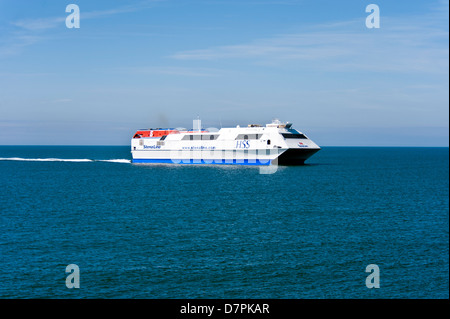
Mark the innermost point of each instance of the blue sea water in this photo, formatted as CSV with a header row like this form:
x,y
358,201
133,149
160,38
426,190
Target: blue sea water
x,y
202,231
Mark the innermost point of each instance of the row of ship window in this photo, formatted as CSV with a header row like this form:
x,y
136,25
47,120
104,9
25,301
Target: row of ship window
x,y
239,137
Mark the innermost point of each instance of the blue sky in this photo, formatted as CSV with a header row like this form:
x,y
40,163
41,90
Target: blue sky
x,y
137,64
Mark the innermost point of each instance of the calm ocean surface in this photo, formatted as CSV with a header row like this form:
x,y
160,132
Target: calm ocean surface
x,y
197,231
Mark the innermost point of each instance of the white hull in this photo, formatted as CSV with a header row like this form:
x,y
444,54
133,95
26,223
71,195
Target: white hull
x,y
272,144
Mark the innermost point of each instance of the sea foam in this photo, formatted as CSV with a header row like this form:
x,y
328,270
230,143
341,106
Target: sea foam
x,y
77,160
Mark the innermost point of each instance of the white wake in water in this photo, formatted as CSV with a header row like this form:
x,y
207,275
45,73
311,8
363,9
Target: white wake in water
x,y
116,161
77,160
44,159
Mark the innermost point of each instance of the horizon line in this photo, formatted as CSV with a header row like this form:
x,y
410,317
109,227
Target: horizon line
x,y
121,145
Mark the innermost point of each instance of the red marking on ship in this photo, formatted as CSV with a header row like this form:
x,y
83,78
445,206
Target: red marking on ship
x,y
154,133
161,132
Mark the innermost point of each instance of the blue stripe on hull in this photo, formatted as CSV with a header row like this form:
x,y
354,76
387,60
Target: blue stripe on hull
x,y
211,162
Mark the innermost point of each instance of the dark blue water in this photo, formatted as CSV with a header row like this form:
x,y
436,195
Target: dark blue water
x,y
169,231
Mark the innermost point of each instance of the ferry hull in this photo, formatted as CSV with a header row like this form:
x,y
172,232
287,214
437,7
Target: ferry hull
x,y
230,157
295,156
202,161
289,157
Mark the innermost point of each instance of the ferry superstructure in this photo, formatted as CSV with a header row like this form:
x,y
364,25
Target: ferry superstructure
x,y
275,143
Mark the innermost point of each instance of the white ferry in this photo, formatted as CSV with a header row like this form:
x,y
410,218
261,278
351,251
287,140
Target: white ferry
x,y
276,143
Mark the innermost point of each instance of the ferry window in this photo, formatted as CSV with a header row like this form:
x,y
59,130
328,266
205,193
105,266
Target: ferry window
x,y
268,142
209,137
298,135
193,137
248,137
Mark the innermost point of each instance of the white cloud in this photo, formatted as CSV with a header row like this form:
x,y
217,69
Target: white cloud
x,y
53,22
27,30
179,71
15,44
39,24
417,44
